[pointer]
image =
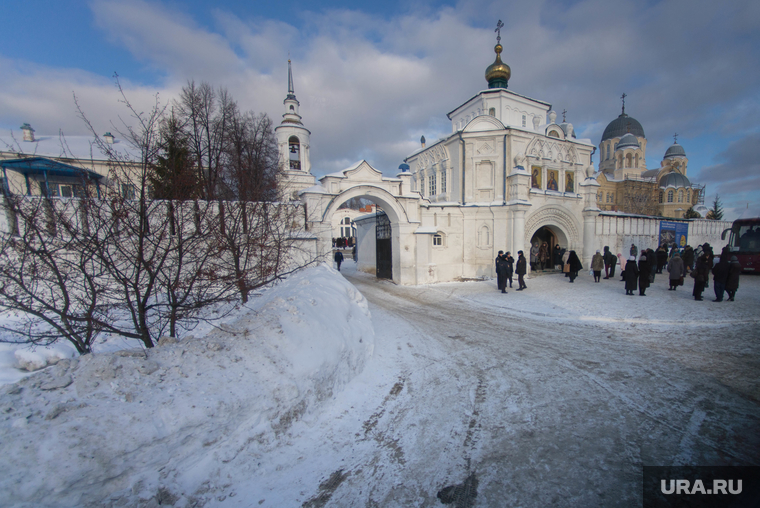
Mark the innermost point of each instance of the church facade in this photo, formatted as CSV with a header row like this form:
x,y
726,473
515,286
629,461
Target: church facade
x,y
509,176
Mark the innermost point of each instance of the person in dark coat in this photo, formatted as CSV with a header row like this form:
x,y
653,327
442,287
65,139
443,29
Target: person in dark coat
x,y
688,258
605,257
520,270
701,273
575,265
631,276
676,271
732,281
501,277
708,250
510,267
338,258
662,257
645,270
557,259
720,275
652,262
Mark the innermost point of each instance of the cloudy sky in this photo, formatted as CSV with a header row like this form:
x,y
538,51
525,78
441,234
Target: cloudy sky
x,y
372,77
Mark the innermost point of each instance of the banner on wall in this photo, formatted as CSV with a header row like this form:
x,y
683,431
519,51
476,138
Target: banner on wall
x,y
674,233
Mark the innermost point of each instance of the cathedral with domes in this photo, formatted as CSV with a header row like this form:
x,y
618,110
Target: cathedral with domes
x,y
509,176
627,185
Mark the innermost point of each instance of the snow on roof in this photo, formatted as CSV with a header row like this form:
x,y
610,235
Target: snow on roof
x,y
62,146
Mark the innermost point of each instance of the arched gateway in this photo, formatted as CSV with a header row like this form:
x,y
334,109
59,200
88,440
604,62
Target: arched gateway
x,y
392,195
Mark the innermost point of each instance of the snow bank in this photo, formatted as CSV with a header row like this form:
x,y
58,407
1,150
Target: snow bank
x,y
155,427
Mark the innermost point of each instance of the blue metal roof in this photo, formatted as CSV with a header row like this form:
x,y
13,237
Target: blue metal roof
x,y
42,165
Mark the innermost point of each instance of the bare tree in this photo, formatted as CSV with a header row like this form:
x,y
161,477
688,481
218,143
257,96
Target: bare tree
x,y
129,264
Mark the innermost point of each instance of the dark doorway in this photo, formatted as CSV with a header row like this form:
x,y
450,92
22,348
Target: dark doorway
x,y
384,251
546,236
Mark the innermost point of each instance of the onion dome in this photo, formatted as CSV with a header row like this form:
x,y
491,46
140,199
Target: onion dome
x,y
498,73
675,180
675,150
628,141
622,125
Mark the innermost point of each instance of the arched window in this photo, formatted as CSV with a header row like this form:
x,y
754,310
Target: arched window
x,y
484,236
439,240
688,196
660,196
680,196
492,111
553,134
629,161
670,196
620,161
294,147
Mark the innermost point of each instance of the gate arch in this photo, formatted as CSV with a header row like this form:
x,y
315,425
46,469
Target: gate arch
x,y
554,217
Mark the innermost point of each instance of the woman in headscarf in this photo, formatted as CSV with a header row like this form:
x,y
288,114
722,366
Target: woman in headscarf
x,y
597,264
675,269
575,265
645,271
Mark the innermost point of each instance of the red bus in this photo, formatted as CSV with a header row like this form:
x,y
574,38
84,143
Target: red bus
x,y
744,243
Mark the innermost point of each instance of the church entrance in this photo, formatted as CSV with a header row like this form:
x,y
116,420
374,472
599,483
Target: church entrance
x,y
383,247
547,257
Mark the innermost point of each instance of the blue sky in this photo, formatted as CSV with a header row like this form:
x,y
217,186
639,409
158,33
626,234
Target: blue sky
x,y
372,77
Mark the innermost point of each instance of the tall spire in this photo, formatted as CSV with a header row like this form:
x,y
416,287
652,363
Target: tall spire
x,y
291,90
291,103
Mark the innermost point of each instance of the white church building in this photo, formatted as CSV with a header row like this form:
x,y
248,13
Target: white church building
x,y
508,176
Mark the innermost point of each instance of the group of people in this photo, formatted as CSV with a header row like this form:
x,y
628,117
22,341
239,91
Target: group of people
x,y
505,268
543,257
725,272
639,270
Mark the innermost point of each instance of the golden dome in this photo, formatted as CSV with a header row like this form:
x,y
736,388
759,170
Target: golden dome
x,y
498,73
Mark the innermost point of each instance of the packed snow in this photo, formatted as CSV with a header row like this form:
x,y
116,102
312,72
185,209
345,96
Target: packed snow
x,y
449,393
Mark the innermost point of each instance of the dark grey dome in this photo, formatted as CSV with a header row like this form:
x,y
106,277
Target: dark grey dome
x,y
628,141
675,150
676,180
619,127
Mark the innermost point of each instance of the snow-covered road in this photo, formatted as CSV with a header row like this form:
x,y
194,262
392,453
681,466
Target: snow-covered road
x,y
553,396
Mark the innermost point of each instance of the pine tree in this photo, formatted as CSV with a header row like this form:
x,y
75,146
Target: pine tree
x,y
174,176
691,214
716,212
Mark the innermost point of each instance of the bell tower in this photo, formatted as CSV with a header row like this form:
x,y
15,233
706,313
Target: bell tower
x,y
293,145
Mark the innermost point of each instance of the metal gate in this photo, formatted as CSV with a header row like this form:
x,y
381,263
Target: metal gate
x,y
383,247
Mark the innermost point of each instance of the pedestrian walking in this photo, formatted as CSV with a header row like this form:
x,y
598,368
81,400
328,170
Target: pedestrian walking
x,y
720,275
634,251
732,282
520,270
338,258
597,263
700,274
610,260
630,276
574,264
